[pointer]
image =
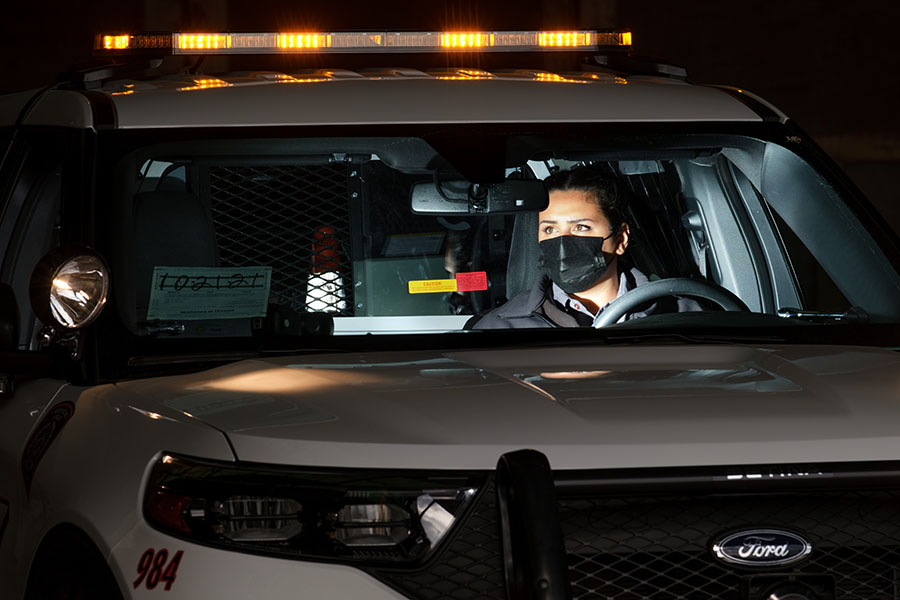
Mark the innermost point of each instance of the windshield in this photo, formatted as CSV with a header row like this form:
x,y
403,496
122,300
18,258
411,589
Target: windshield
x,y
237,238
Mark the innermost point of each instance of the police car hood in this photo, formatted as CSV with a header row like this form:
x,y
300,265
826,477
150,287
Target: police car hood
x,y
595,407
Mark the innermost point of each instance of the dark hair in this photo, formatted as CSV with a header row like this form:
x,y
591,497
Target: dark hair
x,y
604,190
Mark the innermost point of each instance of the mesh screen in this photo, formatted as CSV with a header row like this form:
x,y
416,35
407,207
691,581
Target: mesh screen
x,y
295,219
630,548
468,568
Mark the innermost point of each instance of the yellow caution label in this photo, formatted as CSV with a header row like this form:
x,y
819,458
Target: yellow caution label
x,y
432,286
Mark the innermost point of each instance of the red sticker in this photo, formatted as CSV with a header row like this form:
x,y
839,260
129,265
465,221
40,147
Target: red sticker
x,y
471,282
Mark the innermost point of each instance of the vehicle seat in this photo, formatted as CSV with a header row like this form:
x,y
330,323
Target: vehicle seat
x,y
172,229
524,253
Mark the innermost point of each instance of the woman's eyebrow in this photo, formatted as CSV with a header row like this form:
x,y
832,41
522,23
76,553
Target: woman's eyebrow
x,y
578,220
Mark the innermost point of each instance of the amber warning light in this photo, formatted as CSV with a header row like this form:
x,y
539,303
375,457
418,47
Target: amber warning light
x,y
286,42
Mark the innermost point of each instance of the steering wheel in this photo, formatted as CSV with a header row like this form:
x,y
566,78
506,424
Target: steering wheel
x,y
677,286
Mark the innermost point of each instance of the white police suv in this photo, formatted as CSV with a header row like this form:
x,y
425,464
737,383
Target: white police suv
x,y
318,326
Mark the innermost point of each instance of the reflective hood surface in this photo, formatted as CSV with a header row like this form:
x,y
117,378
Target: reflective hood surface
x,y
583,407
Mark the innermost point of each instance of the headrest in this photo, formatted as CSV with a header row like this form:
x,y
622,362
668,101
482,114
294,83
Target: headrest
x,y
171,229
522,269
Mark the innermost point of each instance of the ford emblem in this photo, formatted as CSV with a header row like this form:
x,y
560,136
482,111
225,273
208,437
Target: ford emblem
x,y
761,548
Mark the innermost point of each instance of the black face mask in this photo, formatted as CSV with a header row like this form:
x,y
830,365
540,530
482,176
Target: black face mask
x,y
574,263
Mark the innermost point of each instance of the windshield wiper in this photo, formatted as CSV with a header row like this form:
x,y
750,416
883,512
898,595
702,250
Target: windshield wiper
x,y
693,338
625,337
854,315
265,351
225,356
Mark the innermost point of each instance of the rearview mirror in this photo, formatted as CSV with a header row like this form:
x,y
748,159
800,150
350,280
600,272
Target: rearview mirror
x,y
462,197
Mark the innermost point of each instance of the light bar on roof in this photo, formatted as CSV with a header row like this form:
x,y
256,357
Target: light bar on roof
x,y
115,42
309,42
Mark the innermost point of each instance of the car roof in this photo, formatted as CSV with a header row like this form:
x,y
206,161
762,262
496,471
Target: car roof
x,y
384,96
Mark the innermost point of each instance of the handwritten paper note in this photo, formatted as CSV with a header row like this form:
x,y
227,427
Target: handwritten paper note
x,y
194,293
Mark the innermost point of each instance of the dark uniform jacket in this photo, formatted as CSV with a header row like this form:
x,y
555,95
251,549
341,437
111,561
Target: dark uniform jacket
x,y
539,307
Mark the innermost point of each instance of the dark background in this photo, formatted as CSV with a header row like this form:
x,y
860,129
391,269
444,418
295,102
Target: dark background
x,y
833,66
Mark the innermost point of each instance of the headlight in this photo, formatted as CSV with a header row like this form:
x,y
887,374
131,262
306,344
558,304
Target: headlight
x,y
69,287
342,515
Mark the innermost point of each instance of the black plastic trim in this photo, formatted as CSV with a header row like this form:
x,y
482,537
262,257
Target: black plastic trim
x,y
9,319
632,64
5,520
26,362
535,563
102,108
389,574
739,479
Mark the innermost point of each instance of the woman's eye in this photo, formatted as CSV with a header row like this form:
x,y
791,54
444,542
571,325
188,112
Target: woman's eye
x,y
548,230
582,227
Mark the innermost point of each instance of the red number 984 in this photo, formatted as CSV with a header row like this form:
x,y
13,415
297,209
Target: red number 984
x,y
152,568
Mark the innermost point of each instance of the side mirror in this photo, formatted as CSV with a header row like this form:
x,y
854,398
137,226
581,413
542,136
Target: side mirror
x,y
462,197
9,319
